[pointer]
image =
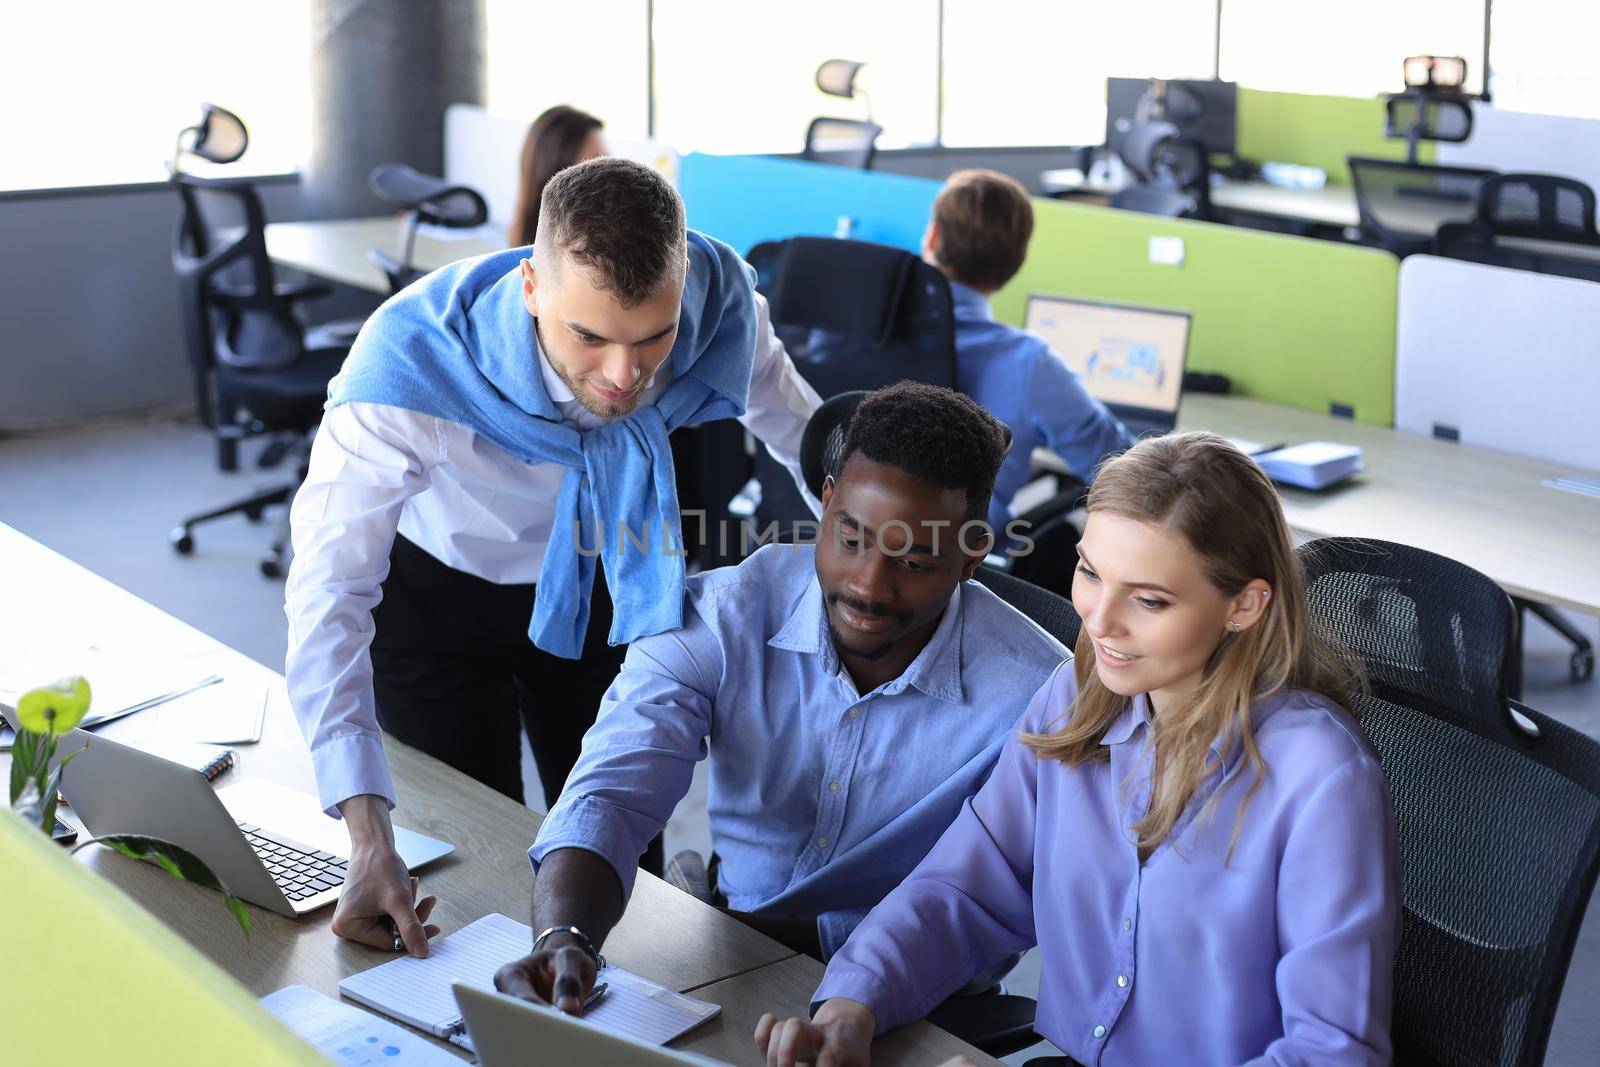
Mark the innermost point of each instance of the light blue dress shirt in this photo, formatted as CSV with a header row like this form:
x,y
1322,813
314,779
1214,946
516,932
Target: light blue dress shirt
x,y
1283,954
821,798
1025,385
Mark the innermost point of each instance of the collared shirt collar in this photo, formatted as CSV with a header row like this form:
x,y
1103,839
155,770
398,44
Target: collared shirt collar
x,y
1225,746
969,303
936,671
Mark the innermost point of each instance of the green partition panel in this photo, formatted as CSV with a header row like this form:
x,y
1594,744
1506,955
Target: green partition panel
x,y
1292,320
88,977
1318,131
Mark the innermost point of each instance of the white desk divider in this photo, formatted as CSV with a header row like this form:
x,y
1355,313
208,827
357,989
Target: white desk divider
x,y
485,152
1508,359
1519,141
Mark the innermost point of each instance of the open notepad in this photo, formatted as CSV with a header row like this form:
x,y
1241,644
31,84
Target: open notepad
x,y
417,991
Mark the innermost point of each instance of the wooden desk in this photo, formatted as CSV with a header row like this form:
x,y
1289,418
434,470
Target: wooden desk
x,y
1487,509
665,935
1331,206
338,249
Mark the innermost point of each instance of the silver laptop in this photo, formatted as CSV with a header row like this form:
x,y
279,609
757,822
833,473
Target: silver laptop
x,y
1130,358
269,844
507,1032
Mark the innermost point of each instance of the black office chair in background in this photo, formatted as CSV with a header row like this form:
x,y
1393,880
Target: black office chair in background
x,y
258,370
1497,807
1172,172
842,142
853,315
1403,204
425,199
1536,222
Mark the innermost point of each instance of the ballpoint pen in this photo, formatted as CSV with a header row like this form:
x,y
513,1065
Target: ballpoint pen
x,y
595,994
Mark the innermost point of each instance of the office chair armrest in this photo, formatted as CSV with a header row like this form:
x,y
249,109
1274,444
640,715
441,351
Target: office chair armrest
x,y
302,289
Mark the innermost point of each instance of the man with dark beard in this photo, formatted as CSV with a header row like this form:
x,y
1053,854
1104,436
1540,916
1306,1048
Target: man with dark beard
x,y
851,695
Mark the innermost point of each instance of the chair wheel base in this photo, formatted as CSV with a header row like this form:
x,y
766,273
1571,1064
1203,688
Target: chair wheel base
x,y
271,568
1582,665
182,543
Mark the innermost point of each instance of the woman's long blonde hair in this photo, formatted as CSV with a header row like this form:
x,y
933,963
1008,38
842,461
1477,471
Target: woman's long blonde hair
x,y
1213,496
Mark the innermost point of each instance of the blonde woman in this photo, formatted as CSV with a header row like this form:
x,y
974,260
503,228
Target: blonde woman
x,y
1192,830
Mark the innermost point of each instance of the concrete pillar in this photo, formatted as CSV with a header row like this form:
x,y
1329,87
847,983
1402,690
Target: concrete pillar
x,y
382,74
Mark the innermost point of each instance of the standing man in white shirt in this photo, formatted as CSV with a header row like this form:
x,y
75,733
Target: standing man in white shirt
x,y
498,426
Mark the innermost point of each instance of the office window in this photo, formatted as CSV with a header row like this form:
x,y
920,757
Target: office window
x,y
1021,72
1350,48
592,55
1542,56
96,92
738,75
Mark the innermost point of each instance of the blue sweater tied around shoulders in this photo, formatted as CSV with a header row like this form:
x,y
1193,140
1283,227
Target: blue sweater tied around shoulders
x,y
459,345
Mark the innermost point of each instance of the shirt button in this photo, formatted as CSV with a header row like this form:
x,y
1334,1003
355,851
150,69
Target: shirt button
x,y
1122,981
1127,923
855,713
822,842
1099,1031
834,787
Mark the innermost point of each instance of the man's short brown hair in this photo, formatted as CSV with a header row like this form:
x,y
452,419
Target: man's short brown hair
x,y
985,221
620,221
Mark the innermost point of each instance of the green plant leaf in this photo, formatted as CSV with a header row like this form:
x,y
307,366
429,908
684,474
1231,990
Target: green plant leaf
x,y
180,863
54,708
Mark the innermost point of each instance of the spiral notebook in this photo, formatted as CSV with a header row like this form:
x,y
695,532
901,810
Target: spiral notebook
x,y
209,760
417,991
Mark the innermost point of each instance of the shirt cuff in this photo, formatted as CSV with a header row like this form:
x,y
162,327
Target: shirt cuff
x,y
594,826
348,766
853,983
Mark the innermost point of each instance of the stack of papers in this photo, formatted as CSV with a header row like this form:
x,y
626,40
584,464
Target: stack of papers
x,y
120,691
1313,465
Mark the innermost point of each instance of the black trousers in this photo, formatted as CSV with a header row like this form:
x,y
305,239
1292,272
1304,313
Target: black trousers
x,y
455,675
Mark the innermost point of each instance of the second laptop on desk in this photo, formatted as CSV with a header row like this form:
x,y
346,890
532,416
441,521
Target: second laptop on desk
x,y
270,845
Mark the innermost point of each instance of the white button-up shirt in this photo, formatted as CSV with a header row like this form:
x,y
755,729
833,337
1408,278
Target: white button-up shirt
x,y
376,469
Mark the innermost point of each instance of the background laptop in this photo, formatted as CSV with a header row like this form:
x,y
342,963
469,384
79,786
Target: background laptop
x,y
269,844
505,1031
1130,358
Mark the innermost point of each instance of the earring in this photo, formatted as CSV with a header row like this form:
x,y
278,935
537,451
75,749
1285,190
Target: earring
x,y
1234,626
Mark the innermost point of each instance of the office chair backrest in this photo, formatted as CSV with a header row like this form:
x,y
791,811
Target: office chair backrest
x,y
436,201
1054,614
1427,117
841,142
1402,205
232,311
857,315
1497,808
822,442
1543,206
1174,174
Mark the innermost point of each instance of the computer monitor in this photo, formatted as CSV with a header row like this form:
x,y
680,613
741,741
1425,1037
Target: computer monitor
x,y
1130,358
1206,111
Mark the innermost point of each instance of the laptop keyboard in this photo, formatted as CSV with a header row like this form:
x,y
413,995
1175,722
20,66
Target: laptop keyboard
x,y
300,870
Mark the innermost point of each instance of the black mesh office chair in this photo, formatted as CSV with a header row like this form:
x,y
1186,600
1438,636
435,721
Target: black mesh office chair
x,y
257,368
1497,807
1537,222
1402,205
842,142
1172,172
425,199
853,316
1053,612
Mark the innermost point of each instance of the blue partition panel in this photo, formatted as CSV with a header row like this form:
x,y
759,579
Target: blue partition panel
x,y
744,200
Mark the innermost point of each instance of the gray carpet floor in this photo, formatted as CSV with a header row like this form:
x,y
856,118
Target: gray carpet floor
x,y
107,497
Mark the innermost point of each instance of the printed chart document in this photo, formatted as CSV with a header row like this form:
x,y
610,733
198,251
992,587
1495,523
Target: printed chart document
x,y
349,1036
417,992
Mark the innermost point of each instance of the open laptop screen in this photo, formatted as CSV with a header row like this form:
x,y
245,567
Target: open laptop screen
x,y
1130,358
